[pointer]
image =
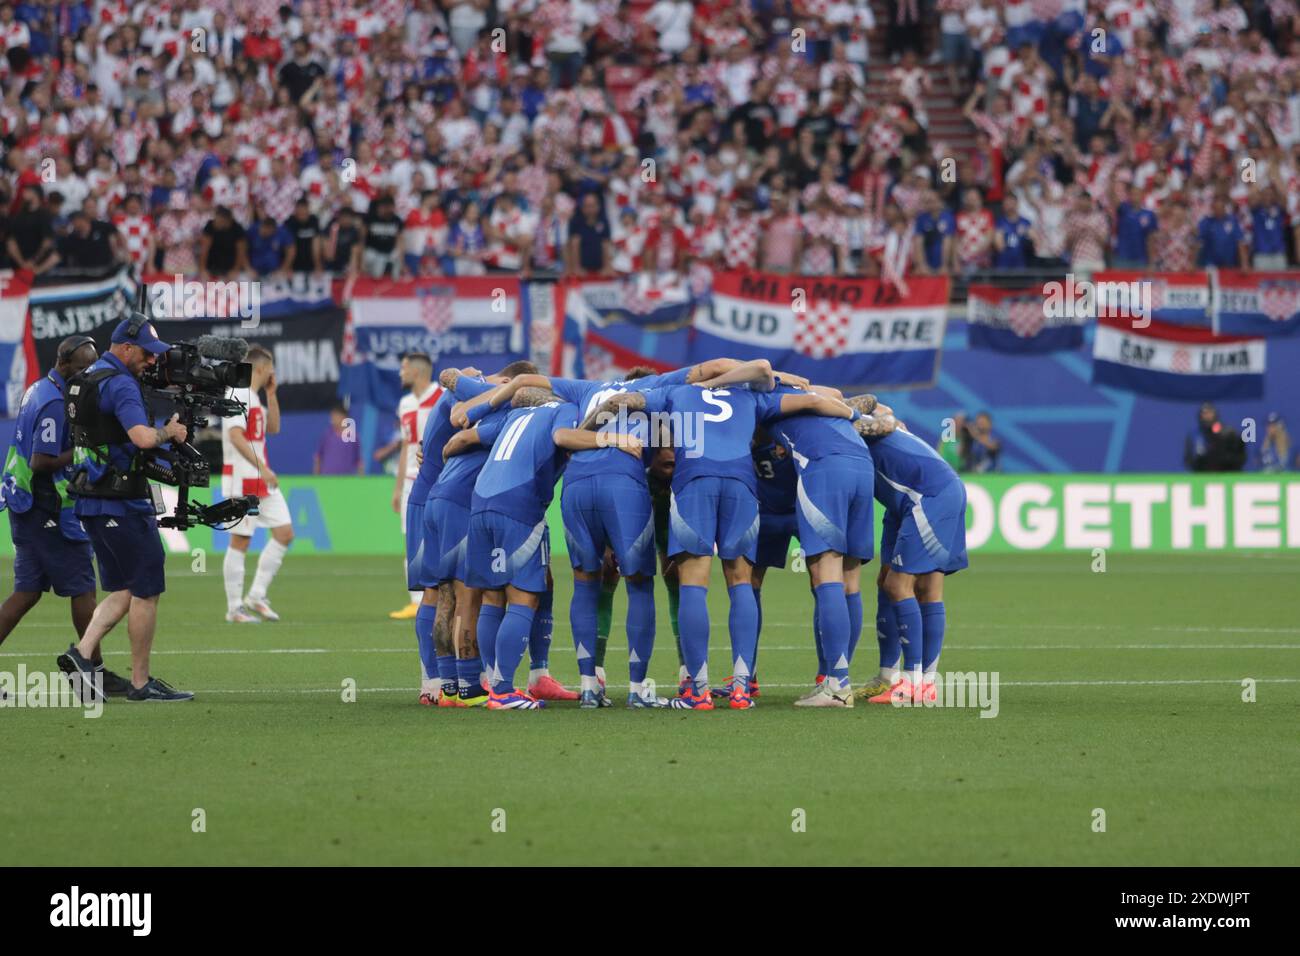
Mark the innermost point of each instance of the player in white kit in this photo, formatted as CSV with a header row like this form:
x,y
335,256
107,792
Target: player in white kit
x,y
416,374
245,472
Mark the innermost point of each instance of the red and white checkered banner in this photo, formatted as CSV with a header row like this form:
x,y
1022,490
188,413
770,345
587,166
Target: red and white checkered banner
x,y
838,331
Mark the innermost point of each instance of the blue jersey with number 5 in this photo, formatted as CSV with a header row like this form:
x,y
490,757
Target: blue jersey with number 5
x,y
713,429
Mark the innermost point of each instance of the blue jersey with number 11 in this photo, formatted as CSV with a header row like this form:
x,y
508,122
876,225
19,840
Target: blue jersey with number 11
x,y
518,478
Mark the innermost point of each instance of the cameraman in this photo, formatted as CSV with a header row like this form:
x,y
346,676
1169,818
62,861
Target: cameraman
x,y
1211,446
51,551
111,429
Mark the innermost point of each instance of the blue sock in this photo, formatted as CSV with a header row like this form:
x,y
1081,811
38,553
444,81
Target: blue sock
x,y
693,622
640,627
854,601
582,619
424,640
468,669
758,629
512,640
886,631
447,671
817,639
742,623
910,633
833,623
489,621
933,621
539,641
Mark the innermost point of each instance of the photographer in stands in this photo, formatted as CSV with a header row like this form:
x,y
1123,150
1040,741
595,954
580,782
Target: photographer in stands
x,y
111,427
1211,446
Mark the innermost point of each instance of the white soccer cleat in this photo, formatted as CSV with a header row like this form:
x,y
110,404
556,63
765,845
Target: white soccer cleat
x,y
827,696
817,689
241,616
262,608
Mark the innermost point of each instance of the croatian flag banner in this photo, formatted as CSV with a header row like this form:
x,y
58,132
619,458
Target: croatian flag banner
x,y
478,321
1256,303
847,332
1175,362
1016,320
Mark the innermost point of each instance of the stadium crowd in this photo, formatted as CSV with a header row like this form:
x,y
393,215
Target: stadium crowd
x,y
609,137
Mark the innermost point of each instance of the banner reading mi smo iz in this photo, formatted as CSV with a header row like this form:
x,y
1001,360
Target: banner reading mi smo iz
x,y
1006,514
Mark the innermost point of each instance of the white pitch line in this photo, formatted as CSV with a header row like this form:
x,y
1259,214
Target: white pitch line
x,y
1002,683
721,628
719,648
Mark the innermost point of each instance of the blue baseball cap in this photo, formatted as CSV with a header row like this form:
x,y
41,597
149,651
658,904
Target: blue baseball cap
x,y
144,336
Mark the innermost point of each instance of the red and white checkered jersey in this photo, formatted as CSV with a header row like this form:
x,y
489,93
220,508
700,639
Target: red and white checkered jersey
x,y
740,241
135,232
413,412
238,474
974,235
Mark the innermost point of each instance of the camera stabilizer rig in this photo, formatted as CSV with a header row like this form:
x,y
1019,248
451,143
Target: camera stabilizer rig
x,y
197,376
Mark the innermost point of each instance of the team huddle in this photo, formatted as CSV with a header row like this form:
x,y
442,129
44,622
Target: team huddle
x,y
661,473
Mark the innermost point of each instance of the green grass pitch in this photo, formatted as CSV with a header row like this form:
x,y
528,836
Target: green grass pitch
x,y
1120,691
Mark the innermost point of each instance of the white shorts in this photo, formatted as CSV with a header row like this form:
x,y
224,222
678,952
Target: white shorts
x,y
407,484
272,512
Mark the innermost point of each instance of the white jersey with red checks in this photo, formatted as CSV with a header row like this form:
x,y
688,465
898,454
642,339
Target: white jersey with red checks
x,y
136,232
413,412
239,476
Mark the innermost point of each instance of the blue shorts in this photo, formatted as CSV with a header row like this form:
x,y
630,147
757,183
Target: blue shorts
x,y
774,534
446,550
426,575
930,536
414,544
836,497
129,553
613,512
709,511
503,550
44,559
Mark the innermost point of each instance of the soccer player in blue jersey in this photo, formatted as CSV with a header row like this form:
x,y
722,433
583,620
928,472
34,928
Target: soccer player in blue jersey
x,y
776,479
923,540
446,559
715,504
606,504
457,385
438,659
508,546
834,519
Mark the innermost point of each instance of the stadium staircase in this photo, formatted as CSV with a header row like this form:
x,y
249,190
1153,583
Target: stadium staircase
x,y
943,106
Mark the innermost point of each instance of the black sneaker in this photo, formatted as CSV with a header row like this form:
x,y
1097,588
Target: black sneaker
x,y
160,690
115,685
81,673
